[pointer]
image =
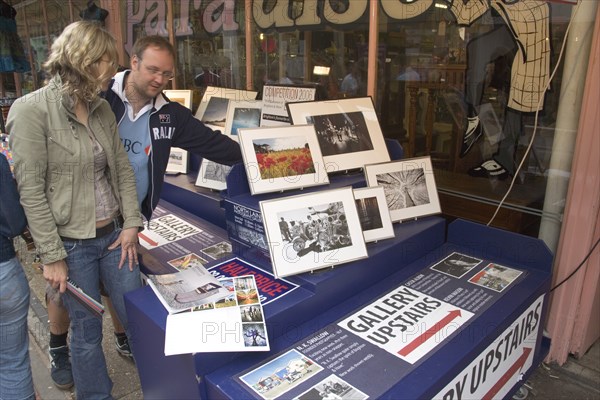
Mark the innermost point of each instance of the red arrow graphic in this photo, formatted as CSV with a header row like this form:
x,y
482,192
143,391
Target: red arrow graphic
x,y
508,374
147,239
409,348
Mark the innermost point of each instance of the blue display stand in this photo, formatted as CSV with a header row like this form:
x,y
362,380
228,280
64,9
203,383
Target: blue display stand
x,y
487,355
469,354
183,376
181,191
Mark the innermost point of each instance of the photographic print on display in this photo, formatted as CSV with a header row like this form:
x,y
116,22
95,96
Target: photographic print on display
x,y
282,158
409,187
242,114
347,129
276,377
311,231
332,387
456,265
178,159
212,175
373,213
212,110
190,260
218,250
495,277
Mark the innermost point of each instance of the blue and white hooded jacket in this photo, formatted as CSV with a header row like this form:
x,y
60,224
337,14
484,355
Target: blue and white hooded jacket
x,y
172,125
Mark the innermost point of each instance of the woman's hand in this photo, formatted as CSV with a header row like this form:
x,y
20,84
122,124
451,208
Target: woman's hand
x,y
56,274
128,240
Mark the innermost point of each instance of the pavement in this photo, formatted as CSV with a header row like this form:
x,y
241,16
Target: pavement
x,y
577,379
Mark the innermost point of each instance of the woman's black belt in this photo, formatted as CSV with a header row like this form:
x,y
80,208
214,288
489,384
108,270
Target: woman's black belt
x,y
115,224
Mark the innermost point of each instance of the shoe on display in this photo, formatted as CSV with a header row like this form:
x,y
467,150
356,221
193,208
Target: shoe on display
x,y
60,367
489,169
472,134
122,345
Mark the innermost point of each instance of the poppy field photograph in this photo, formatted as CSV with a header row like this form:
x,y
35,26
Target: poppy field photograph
x,y
281,157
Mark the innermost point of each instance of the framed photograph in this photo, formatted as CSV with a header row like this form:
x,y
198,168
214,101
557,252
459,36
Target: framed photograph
x,y
212,175
178,159
347,129
312,231
409,187
212,110
183,97
242,114
373,213
282,158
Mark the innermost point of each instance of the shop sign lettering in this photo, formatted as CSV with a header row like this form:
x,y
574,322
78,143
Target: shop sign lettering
x,y
219,15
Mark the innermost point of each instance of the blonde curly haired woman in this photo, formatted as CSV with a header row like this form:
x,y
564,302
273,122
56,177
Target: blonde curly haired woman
x,y
78,190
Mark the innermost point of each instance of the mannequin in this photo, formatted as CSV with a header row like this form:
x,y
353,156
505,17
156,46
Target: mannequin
x,y
12,52
93,12
7,11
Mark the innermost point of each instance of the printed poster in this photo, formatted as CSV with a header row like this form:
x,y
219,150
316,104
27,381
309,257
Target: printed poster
x,y
352,357
173,243
234,323
269,287
275,97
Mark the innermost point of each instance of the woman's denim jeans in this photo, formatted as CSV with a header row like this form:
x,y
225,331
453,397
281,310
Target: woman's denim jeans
x,y
15,370
90,262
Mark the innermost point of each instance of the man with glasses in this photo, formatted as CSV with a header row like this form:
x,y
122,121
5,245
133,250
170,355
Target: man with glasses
x,y
149,125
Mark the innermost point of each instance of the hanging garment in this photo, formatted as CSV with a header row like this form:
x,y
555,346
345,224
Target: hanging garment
x,y
12,53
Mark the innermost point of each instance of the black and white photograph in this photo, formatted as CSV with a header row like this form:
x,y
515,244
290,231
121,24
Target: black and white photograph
x,y
281,158
373,212
242,114
332,388
456,265
251,313
218,250
214,112
496,277
348,131
247,235
321,233
341,133
212,175
319,228
278,376
404,189
409,187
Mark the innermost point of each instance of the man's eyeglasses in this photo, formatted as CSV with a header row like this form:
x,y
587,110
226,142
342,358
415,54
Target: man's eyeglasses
x,y
168,75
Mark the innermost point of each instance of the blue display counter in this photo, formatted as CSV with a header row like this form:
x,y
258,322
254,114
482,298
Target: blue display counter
x,y
465,320
181,191
437,311
306,297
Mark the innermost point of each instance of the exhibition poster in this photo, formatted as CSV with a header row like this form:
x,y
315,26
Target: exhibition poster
x,y
234,323
269,287
186,289
397,331
171,242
